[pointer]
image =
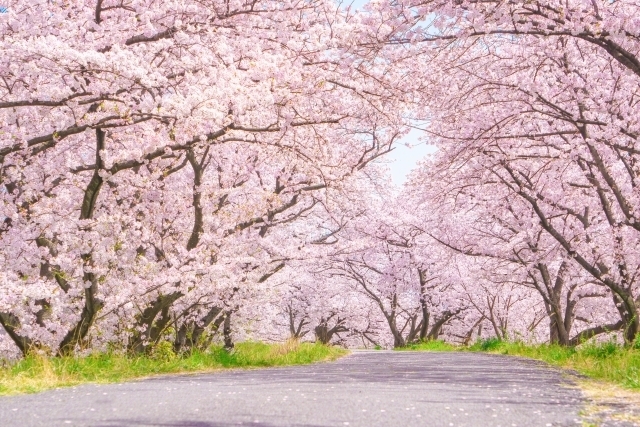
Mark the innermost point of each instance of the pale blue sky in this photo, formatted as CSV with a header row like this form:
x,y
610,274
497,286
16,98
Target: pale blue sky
x,y
402,159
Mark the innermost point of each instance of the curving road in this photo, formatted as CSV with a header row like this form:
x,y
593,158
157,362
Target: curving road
x,y
367,389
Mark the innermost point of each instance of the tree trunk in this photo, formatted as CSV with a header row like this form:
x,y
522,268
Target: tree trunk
x,y
189,334
629,315
228,339
92,305
438,324
198,220
11,324
398,339
142,342
424,325
322,333
554,334
592,332
557,321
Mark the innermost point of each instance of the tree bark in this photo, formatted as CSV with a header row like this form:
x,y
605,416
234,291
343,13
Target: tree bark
x,y
592,332
189,334
92,305
424,325
226,330
198,220
324,334
142,342
11,325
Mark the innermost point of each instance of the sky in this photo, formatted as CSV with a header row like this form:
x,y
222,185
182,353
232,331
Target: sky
x,y
402,160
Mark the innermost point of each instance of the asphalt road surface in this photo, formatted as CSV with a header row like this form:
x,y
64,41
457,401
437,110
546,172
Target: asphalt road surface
x,y
367,389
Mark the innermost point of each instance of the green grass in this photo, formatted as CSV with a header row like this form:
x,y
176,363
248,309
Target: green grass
x,y
34,373
431,346
606,361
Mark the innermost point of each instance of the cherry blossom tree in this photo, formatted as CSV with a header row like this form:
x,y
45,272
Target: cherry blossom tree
x,y
387,263
141,140
532,114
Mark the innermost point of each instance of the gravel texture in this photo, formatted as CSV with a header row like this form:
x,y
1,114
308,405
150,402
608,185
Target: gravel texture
x,y
366,388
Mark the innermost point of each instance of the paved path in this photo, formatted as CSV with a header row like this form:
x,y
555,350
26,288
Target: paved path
x,y
367,389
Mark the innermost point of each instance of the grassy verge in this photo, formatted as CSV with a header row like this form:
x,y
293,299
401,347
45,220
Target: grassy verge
x,y
34,374
607,361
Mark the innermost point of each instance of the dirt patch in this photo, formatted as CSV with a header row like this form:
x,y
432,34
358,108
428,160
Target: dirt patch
x,y
608,405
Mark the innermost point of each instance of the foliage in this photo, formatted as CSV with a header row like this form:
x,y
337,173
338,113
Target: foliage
x,y
430,345
36,373
163,351
490,344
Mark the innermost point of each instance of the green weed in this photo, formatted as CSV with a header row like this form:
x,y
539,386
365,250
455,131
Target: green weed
x,y
37,373
431,345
